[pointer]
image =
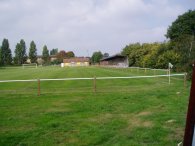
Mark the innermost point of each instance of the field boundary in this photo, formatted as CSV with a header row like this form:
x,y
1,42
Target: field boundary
x,y
92,78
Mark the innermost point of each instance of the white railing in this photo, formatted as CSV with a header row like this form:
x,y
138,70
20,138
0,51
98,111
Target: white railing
x,y
92,78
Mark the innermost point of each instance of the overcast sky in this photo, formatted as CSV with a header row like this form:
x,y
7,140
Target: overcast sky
x,y
85,26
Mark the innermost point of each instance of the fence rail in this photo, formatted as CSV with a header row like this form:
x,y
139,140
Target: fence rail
x,y
93,79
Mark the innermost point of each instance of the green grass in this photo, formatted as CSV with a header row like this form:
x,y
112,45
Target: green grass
x,y
131,112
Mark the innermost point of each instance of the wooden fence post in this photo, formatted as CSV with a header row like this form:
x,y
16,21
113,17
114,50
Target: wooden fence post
x,y
184,80
94,84
189,136
39,88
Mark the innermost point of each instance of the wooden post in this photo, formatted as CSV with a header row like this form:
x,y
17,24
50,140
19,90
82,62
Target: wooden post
x,y
189,136
39,88
94,84
169,76
184,80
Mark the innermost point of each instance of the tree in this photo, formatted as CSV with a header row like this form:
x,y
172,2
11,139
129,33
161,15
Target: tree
x,y
96,57
133,53
54,51
33,52
17,58
20,52
45,54
182,37
183,25
70,54
61,55
23,51
105,55
6,55
9,57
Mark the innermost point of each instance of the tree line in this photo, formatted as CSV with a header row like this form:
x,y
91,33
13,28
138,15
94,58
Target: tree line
x,y
178,50
21,56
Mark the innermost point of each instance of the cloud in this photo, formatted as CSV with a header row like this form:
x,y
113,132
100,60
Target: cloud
x,y
105,25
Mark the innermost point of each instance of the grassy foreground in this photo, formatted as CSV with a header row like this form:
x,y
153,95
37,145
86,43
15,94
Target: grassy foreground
x,y
130,112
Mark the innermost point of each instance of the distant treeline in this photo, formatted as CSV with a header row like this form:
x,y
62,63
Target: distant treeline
x,y
20,54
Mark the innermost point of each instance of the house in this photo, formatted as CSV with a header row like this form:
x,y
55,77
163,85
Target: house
x,y
76,61
115,61
52,57
40,59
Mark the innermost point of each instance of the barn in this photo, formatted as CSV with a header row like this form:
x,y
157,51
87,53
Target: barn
x,y
117,60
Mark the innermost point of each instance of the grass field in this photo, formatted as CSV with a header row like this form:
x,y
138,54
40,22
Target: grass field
x,y
131,112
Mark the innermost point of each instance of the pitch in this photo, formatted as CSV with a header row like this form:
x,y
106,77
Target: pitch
x,y
121,112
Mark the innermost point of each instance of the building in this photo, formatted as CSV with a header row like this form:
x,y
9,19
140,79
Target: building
x,y
115,61
40,59
76,61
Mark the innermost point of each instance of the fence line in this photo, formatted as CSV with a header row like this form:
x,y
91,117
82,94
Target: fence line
x,y
147,68
91,78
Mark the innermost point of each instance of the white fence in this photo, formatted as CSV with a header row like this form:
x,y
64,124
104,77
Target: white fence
x,y
94,79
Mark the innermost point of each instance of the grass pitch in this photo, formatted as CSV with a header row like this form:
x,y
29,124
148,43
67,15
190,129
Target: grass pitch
x,y
122,112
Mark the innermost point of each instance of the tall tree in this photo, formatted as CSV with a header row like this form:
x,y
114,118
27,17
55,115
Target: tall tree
x,y
23,51
9,57
96,57
183,25
182,36
33,52
6,55
54,51
45,54
17,58
20,52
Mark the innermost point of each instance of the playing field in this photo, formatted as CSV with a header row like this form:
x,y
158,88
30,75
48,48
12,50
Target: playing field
x,y
132,112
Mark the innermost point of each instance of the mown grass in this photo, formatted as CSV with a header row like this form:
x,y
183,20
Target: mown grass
x,y
122,112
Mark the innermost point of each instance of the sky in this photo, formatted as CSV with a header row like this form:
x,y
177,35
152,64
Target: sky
x,y
86,26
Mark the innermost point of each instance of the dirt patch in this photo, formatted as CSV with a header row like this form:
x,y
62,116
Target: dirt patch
x,y
137,122
132,120
144,113
176,134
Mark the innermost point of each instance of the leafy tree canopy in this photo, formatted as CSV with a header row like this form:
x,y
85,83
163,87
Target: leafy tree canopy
x,y
183,25
33,52
70,54
54,51
96,57
45,54
6,55
61,55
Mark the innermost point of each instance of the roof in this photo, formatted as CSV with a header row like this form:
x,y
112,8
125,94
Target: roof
x,y
113,57
76,59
